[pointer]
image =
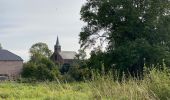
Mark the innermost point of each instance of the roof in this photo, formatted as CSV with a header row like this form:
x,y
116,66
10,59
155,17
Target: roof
x,y
6,55
68,54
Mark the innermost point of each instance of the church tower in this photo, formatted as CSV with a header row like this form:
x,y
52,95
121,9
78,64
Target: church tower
x,y
57,47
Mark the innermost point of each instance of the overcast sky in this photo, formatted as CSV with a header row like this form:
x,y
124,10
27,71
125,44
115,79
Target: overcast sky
x,y
25,22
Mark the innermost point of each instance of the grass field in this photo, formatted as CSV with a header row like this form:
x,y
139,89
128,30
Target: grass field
x,y
156,86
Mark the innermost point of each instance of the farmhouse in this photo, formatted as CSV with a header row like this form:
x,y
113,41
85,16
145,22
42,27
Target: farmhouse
x,y
10,64
62,57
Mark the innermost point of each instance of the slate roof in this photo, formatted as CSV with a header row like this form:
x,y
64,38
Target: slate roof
x,y
6,55
68,54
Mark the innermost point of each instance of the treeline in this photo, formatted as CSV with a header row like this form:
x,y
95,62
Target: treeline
x,y
40,67
136,34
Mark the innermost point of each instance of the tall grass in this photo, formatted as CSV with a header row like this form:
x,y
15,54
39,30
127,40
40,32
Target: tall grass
x,y
154,86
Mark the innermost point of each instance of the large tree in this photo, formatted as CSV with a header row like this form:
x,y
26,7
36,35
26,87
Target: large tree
x,y
40,49
40,67
133,29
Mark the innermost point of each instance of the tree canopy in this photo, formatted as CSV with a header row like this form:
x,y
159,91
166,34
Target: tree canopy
x,y
40,49
40,67
133,29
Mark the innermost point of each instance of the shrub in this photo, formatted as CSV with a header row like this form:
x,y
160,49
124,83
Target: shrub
x,y
79,73
76,73
43,70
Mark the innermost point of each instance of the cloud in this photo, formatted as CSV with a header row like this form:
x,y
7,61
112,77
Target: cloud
x,y
25,22
23,53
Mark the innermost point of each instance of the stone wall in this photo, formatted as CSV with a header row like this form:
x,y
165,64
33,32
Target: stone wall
x,y
57,58
11,68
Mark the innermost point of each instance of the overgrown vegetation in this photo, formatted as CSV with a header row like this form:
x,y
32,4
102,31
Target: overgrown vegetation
x,y
133,31
42,70
40,67
154,86
136,34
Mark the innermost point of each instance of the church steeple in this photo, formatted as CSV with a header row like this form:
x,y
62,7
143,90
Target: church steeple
x,y
57,47
57,42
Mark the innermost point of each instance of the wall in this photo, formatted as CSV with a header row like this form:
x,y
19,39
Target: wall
x,y
57,58
69,61
11,68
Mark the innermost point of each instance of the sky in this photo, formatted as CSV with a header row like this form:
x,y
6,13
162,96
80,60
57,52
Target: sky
x,y
26,22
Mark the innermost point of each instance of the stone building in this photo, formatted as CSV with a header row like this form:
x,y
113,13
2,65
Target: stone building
x,y
63,58
10,64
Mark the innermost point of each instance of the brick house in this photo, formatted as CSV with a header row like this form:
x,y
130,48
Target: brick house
x,y
10,64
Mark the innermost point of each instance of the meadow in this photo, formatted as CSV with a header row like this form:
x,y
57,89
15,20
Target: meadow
x,y
154,86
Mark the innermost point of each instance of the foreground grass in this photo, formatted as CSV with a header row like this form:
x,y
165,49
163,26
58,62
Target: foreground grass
x,y
156,86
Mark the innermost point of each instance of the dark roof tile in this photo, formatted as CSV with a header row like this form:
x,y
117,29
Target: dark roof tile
x,y
6,55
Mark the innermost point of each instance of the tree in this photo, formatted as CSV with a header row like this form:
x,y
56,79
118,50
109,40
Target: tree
x,y
38,50
134,30
96,60
81,55
40,67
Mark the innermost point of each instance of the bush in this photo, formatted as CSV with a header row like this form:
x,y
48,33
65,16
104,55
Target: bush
x,y
43,70
29,70
78,71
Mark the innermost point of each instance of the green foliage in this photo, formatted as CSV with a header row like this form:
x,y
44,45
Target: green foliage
x,y
96,60
40,67
43,70
29,70
39,49
78,72
134,30
154,86
81,54
159,80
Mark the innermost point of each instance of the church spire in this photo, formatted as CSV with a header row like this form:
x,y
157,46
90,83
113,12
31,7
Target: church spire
x,y
57,47
57,42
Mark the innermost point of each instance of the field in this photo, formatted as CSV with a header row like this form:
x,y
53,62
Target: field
x,y
156,86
